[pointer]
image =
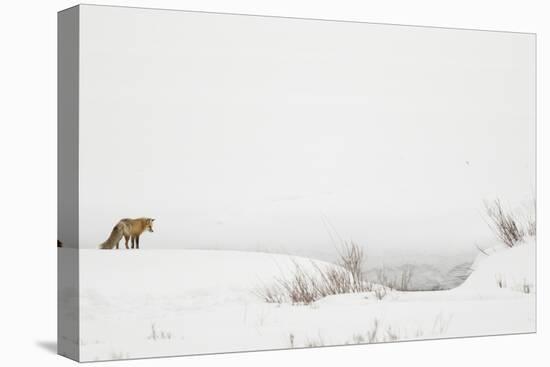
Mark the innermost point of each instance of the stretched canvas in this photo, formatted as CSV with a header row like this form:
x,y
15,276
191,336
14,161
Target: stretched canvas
x,y
234,183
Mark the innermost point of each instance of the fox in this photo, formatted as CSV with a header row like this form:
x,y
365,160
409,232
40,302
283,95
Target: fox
x,y
130,229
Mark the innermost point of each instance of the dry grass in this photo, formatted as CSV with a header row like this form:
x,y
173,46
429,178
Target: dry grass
x,y
501,281
380,332
309,284
532,227
405,279
314,343
291,340
157,334
526,287
352,258
531,218
372,334
380,292
398,283
505,225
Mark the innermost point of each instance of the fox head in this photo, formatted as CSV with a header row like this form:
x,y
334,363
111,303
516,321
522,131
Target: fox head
x,y
149,224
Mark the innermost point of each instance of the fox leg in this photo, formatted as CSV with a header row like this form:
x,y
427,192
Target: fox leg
x,y
133,241
137,242
126,238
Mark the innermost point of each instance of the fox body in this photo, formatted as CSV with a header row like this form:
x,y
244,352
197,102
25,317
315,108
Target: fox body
x,y
130,229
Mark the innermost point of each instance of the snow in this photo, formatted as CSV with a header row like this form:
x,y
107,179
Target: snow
x,y
513,267
145,303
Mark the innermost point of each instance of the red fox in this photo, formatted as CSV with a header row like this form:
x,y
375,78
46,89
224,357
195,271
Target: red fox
x,y
130,229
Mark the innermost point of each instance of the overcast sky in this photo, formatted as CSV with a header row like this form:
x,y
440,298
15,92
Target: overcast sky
x,y
251,132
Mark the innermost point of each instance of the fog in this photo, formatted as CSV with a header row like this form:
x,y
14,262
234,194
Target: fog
x,y
289,135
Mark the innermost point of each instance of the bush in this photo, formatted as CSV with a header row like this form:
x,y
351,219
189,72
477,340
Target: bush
x,y
307,285
352,258
504,224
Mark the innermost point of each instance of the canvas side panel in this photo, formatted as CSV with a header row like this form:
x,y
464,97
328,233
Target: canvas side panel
x,y
67,186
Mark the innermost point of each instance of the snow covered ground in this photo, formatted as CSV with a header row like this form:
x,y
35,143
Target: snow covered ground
x,y
148,303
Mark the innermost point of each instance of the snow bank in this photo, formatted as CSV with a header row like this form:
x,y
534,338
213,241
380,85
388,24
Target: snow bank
x,y
504,268
182,272
148,303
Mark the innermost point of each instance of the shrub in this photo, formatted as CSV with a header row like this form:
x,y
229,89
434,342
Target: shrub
x,y
351,257
504,224
309,284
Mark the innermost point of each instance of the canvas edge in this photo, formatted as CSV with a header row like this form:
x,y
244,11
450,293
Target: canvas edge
x,y
68,313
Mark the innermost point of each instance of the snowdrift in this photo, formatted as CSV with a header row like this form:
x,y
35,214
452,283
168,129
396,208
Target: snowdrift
x,y
504,268
144,303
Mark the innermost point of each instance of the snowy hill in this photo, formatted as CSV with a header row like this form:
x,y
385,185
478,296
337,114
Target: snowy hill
x,y
504,268
173,302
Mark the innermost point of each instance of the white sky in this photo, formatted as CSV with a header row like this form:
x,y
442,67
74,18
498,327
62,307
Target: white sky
x,y
244,132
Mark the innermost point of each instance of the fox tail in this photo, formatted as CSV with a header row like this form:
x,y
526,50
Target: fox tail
x,y
114,237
